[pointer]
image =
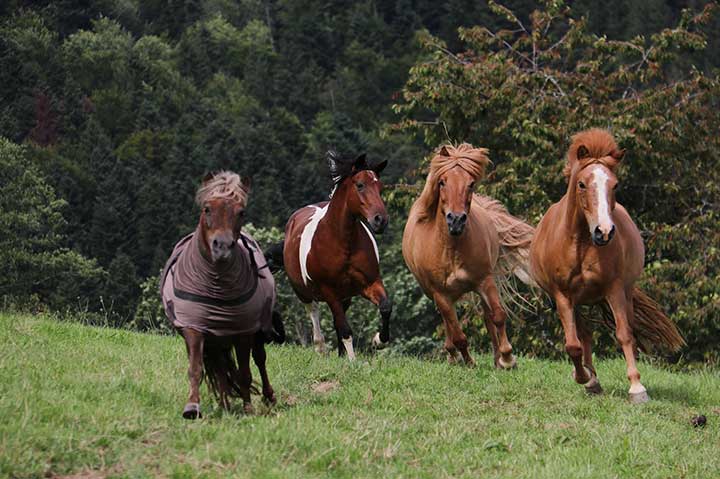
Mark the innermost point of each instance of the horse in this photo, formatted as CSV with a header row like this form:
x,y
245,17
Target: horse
x,y
587,250
330,254
217,296
456,242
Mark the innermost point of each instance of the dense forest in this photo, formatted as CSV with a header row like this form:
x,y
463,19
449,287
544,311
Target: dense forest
x,y
111,111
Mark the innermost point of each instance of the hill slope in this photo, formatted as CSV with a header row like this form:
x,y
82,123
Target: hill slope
x,y
100,402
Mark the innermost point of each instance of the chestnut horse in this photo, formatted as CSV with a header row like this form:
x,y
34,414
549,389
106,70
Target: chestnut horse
x,y
456,242
587,250
219,295
330,253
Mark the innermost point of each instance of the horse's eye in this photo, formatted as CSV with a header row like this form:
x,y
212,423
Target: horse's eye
x,y
581,185
442,183
360,185
472,185
206,210
615,187
241,214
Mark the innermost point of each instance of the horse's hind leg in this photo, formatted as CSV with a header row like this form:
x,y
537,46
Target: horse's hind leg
x,y
194,343
622,308
243,346
377,295
259,356
492,331
318,338
455,339
498,316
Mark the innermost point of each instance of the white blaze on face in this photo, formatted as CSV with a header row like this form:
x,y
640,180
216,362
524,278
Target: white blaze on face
x,y
600,179
306,239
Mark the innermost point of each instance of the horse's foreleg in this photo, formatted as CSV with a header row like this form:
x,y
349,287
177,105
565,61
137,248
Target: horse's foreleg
x,y
585,335
572,344
318,338
243,346
622,309
455,339
342,328
259,356
377,295
492,297
194,343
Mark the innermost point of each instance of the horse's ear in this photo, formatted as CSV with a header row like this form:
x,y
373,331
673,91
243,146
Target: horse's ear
x,y
443,151
379,167
208,176
360,162
618,153
246,183
582,152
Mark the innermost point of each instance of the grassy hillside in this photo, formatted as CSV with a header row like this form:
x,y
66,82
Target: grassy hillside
x,y
98,402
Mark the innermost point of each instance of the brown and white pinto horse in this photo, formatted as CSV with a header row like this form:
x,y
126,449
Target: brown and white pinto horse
x,y
587,250
456,242
219,296
330,253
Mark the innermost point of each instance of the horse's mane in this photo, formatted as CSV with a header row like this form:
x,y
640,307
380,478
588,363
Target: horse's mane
x,y
342,167
224,184
599,144
471,159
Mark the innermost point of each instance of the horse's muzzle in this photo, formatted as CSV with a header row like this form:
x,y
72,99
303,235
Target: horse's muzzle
x,y
456,223
221,247
600,239
378,223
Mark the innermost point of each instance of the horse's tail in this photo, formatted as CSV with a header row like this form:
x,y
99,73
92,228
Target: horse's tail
x,y
274,257
652,329
222,372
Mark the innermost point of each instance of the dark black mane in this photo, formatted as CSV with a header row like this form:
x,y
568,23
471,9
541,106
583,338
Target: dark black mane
x,y
342,167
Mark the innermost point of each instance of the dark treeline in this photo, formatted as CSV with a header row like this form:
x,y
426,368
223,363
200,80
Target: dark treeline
x,y
111,112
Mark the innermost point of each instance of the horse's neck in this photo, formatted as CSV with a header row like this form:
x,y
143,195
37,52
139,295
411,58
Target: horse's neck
x,y
573,220
339,222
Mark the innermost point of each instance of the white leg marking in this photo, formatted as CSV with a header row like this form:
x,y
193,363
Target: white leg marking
x,y
306,239
318,338
600,178
349,348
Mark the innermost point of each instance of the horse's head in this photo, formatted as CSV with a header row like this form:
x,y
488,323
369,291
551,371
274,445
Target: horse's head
x,y
361,186
451,183
595,183
222,199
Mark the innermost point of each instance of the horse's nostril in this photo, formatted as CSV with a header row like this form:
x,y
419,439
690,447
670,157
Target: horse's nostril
x,y
463,218
449,216
611,233
377,219
215,243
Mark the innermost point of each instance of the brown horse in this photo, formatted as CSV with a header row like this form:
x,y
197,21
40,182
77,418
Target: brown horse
x,y
587,250
218,294
330,253
456,242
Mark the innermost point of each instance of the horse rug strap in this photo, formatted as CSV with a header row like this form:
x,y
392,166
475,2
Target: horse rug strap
x,y
236,297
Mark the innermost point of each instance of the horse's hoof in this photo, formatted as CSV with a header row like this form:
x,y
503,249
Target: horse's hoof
x,y
269,399
454,357
593,386
377,342
507,365
248,408
639,397
192,411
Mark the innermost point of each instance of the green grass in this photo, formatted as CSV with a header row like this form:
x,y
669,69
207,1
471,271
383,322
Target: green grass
x,y
102,402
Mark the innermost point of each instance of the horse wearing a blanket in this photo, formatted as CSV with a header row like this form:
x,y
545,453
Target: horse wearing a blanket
x,y
220,296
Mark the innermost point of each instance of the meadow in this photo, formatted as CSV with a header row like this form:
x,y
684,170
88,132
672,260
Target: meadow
x,y
87,402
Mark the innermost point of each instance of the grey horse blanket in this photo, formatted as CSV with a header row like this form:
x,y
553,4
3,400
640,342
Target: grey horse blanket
x,y
236,297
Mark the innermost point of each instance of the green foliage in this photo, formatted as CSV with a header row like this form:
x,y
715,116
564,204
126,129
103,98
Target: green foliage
x,y
34,259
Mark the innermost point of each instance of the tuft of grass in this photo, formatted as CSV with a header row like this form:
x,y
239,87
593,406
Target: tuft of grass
x,y
106,403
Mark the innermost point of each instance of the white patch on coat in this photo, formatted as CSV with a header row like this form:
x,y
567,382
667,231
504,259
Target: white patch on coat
x,y
372,238
306,239
600,178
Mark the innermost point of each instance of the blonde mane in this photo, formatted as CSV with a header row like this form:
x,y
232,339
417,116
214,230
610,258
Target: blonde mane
x,y
224,184
599,143
471,159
